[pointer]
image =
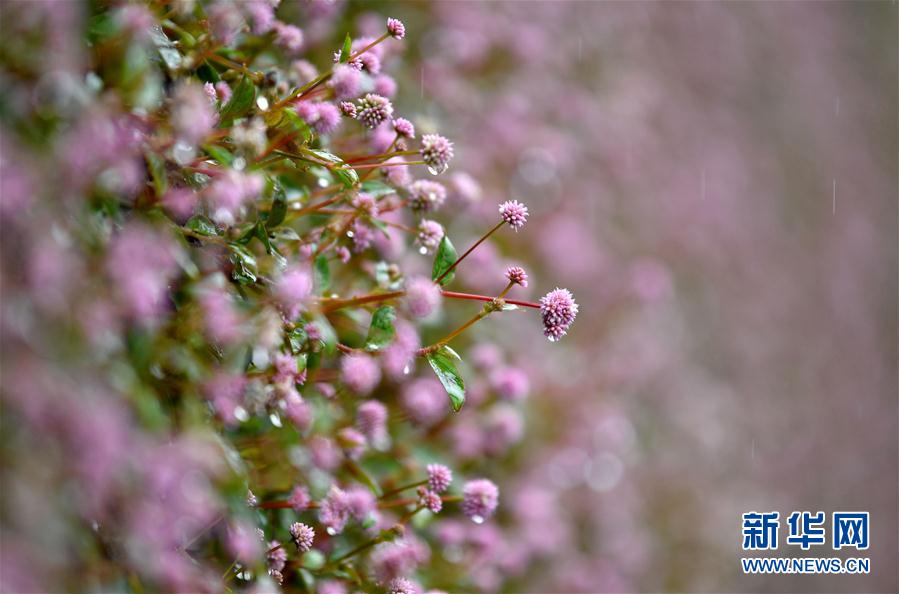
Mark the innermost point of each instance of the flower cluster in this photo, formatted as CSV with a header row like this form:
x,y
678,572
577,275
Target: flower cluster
x,y
235,331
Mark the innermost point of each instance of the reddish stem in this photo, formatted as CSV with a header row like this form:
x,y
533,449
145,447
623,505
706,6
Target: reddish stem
x,y
455,295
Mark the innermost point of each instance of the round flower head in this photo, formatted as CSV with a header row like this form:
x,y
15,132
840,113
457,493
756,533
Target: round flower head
x,y
436,152
371,63
371,419
517,275
479,499
277,558
440,478
366,203
426,195
328,118
360,373
348,109
352,442
430,500
302,536
422,296
299,499
402,586
515,213
429,235
288,37
385,85
558,310
334,511
404,128
373,109
395,28
345,82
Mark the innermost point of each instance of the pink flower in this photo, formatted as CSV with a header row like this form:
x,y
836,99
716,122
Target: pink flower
x,y
385,85
299,499
422,296
510,383
403,586
426,195
288,37
192,116
371,419
430,500
335,510
440,477
404,128
395,28
344,82
436,151
517,275
514,213
479,499
292,289
558,310
424,400
373,109
360,373
302,536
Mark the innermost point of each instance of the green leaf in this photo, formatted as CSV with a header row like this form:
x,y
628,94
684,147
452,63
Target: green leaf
x,y
348,176
377,188
241,101
296,339
202,225
445,257
443,362
347,49
322,273
244,265
380,226
156,164
382,331
279,207
222,155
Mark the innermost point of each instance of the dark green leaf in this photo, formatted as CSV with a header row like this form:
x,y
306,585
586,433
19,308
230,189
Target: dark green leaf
x,y
347,176
156,164
322,273
443,362
347,49
446,256
244,265
207,73
328,335
241,101
279,207
202,225
296,339
382,331
262,235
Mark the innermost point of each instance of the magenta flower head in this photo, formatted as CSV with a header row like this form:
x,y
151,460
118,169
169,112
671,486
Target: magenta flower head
x,y
334,511
348,109
517,275
345,82
429,500
360,373
558,310
396,28
436,152
479,500
365,203
422,296
302,536
288,37
277,558
429,235
373,109
402,586
440,478
515,213
299,499
426,195
404,128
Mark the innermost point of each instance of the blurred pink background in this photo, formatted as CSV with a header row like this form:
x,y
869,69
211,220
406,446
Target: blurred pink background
x,y
716,182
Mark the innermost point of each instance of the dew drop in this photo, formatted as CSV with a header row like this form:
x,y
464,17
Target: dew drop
x,y
407,369
349,234
437,170
331,531
183,152
477,519
322,182
262,103
275,419
239,163
423,250
240,413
